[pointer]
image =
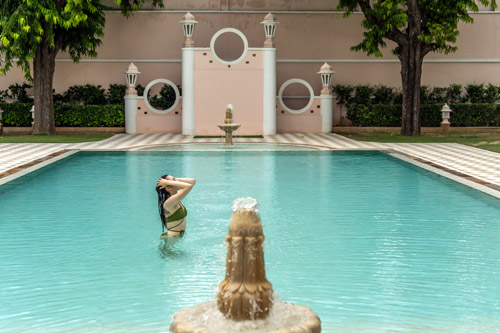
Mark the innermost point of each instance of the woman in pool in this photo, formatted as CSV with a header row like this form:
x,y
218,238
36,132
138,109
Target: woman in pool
x,y
171,191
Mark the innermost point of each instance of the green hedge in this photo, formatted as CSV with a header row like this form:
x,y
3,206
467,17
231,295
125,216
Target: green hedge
x,y
475,115
462,115
75,115
16,114
67,115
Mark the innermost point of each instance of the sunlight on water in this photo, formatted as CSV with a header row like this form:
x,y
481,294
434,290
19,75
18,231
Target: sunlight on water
x,y
366,241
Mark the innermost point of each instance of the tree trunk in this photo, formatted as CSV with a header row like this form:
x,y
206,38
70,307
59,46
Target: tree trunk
x,y
43,75
411,73
411,56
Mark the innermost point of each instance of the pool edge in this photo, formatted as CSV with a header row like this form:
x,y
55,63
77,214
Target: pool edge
x,y
454,175
35,165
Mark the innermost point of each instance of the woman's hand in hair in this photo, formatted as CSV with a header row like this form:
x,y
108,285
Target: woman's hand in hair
x,y
162,183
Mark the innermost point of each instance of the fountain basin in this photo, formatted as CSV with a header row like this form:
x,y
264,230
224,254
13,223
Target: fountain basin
x,y
229,129
283,318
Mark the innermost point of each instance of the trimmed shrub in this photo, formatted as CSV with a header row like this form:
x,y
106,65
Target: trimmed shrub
x,y
475,93
16,114
475,115
383,95
454,93
363,95
430,115
18,92
87,94
166,98
378,115
75,115
344,93
478,93
71,115
463,115
116,93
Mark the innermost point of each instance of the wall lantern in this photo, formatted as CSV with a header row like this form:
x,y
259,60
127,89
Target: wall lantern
x,y
131,76
269,23
188,23
326,77
445,114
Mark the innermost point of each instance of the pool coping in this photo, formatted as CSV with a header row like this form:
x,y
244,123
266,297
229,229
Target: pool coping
x,y
29,167
322,142
480,185
486,187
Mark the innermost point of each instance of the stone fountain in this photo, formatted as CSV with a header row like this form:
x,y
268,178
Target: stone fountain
x,y
229,126
245,300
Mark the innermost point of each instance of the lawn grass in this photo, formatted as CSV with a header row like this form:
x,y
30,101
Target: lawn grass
x,y
489,141
57,138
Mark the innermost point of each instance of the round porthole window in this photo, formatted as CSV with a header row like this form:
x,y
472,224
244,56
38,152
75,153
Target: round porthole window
x,y
293,81
230,31
165,96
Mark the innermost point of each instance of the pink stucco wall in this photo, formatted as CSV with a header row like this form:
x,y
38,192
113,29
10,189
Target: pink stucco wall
x,y
148,121
310,32
308,121
216,85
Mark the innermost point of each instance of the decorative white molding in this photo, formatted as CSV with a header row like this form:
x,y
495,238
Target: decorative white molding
x,y
386,60
234,31
308,12
165,81
300,81
479,61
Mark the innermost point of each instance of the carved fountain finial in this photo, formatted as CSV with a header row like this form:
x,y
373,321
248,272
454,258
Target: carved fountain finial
x,y
245,292
229,115
245,297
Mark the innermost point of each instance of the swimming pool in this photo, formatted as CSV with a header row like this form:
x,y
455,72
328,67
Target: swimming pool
x,y
365,240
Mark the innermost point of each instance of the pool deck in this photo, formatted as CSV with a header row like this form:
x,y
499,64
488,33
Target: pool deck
x,y
469,165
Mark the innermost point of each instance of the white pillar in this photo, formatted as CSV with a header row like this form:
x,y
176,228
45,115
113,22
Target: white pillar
x,y
326,113
188,91
269,107
130,113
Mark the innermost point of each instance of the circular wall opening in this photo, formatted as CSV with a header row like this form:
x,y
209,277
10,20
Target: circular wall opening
x,y
161,96
297,99
296,96
229,46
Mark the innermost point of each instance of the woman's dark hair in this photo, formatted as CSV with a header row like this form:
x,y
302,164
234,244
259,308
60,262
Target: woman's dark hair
x,y
163,195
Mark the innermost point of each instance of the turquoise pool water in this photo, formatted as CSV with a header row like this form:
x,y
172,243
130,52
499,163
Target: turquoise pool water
x,y
367,241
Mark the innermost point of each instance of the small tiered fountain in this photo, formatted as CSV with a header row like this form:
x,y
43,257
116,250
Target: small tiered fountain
x,y
245,300
229,126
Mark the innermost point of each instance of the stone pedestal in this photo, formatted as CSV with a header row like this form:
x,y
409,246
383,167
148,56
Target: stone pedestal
x,y
445,127
229,129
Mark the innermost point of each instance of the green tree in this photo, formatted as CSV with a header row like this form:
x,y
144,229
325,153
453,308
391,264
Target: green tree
x,y
417,27
36,30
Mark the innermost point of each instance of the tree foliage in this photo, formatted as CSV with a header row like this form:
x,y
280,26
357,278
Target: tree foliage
x,y
32,32
79,23
417,27
388,19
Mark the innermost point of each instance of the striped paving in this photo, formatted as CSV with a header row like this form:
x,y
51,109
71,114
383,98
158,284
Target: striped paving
x,y
480,165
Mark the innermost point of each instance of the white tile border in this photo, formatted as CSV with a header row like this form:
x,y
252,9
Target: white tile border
x,y
446,174
35,167
469,161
